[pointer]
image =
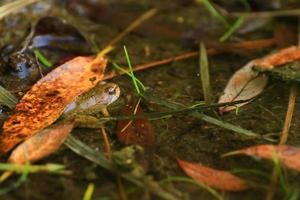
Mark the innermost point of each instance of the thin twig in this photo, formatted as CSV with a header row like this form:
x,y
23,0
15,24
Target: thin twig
x,y
248,45
108,151
130,28
284,135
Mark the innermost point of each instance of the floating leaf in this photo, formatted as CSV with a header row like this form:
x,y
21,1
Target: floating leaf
x,y
47,99
214,178
138,131
42,144
243,85
278,58
287,155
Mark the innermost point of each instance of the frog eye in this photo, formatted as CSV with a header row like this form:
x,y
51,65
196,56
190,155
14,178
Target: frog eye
x,y
110,90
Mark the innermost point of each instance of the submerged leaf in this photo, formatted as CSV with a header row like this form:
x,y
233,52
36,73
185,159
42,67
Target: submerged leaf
x,y
138,131
42,144
47,99
214,178
287,155
243,85
278,58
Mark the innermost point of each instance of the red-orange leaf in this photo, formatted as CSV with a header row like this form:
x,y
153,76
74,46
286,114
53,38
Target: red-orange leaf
x,y
287,155
278,58
138,131
214,178
42,144
47,99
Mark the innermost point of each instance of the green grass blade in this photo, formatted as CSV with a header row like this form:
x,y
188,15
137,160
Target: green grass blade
x,y
7,99
19,168
236,25
214,12
282,180
99,158
42,58
16,184
204,74
129,74
204,117
96,157
294,194
134,79
89,192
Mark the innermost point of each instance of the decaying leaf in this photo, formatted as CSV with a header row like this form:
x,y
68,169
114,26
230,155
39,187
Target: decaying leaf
x,y
214,178
287,155
42,144
278,58
47,99
243,85
138,131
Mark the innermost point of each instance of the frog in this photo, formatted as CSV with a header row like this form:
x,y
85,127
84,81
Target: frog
x,y
91,102
78,113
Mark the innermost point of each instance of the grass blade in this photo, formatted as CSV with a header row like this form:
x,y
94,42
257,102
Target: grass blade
x,y
99,158
96,157
214,12
7,99
50,168
89,192
204,117
129,74
236,25
205,77
134,79
16,184
42,58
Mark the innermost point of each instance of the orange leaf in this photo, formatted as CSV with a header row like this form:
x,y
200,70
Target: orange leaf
x,y
287,155
42,144
47,99
280,57
138,131
214,178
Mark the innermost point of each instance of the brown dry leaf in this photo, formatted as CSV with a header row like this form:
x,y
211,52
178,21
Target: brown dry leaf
x,y
278,58
243,85
287,155
214,178
47,99
138,131
42,144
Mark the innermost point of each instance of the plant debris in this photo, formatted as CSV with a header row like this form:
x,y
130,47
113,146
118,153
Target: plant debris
x,y
287,155
47,99
245,84
214,178
42,144
138,131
